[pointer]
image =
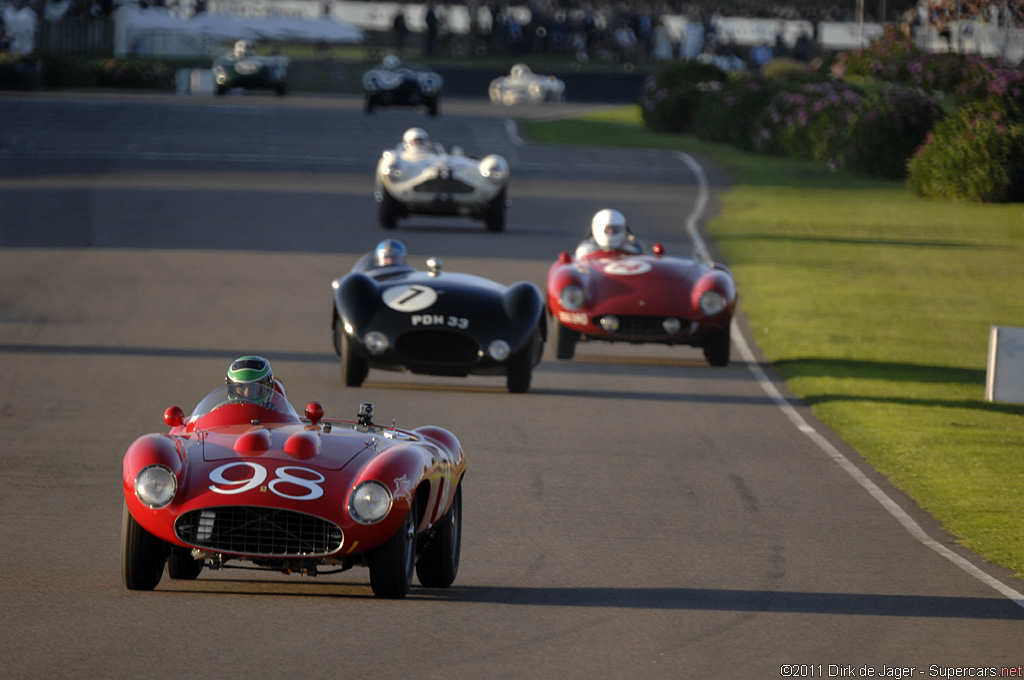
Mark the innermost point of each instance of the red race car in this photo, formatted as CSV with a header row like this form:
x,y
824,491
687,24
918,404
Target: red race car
x,y
613,289
245,479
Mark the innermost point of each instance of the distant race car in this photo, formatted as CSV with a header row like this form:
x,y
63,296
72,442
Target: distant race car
x,y
641,297
245,479
395,84
242,69
420,177
523,86
436,323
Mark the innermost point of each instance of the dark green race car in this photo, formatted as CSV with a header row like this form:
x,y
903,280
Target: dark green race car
x,y
242,69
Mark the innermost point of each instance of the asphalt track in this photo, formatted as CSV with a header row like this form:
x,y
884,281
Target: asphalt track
x,y
636,513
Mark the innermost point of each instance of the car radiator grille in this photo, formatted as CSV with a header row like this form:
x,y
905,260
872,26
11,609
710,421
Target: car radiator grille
x,y
437,347
444,186
636,326
259,531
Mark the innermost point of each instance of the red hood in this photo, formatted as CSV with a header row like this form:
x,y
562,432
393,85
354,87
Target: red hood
x,y
637,284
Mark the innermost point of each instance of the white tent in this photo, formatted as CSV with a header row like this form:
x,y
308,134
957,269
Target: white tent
x,y
156,31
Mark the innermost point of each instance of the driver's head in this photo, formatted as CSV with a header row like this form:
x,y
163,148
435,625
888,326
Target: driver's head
x,y
415,138
241,49
388,253
609,228
250,379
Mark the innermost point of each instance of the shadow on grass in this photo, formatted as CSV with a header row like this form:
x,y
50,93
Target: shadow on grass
x,y
896,373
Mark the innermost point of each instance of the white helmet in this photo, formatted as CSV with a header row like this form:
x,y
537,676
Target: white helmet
x,y
241,49
415,137
609,228
391,62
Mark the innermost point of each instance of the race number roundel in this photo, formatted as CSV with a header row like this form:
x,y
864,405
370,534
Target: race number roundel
x,y
627,267
411,298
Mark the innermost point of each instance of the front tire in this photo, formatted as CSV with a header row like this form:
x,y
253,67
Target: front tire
x,y
564,340
353,368
520,368
495,217
142,555
432,106
182,566
717,346
392,564
439,564
387,213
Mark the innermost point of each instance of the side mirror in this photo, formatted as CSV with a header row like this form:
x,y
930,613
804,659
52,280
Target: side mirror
x,y
315,412
658,249
174,416
564,258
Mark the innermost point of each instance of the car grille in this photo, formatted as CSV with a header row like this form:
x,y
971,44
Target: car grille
x,y
636,326
258,531
444,186
435,347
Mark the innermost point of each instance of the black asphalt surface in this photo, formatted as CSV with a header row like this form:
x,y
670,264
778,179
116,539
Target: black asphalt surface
x,y
636,514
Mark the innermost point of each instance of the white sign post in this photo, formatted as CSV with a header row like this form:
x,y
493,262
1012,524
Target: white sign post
x,y
1004,379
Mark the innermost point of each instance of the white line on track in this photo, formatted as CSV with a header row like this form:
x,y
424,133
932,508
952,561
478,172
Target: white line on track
x,y
908,523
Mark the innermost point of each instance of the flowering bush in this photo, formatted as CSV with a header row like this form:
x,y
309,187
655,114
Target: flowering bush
x,y
812,122
891,124
977,154
732,114
670,96
136,74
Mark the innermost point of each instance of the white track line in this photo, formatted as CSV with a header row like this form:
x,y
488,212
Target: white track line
x,y
908,523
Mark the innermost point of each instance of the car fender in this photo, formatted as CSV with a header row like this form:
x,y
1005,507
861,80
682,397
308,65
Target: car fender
x,y
524,306
147,450
350,300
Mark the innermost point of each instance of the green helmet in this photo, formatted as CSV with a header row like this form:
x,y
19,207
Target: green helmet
x,y
250,378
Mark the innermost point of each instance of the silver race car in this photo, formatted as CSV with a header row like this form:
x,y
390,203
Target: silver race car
x,y
523,86
420,177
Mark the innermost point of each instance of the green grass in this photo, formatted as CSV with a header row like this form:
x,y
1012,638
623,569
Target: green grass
x,y
875,306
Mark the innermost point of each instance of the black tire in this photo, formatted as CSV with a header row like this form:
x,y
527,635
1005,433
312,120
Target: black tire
x,y
371,104
221,90
182,566
387,213
353,369
392,564
142,555
439,563
433,106
495,217
282,89
564,339
520,368
716,348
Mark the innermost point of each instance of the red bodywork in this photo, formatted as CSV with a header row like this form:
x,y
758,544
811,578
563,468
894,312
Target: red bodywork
x,y
242,454
641,291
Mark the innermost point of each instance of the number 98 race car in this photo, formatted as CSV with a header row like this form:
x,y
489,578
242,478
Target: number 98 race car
x,y
245,479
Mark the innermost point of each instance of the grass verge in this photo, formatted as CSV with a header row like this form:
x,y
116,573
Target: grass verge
x,y
875,307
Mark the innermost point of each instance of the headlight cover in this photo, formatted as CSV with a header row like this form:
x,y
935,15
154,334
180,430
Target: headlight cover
x,y
571,297
711,302
376,342
499,350
370,502
155,486
494,168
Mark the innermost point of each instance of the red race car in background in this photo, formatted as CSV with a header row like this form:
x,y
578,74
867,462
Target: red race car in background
x,y
617,291
245,479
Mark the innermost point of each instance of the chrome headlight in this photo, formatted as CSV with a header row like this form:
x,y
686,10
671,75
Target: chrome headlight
x,y
376,342
155,486
711,302
369,503
494,168
572,297
499,350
